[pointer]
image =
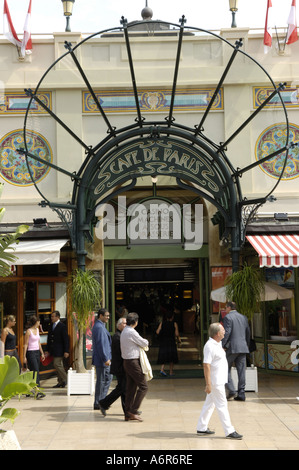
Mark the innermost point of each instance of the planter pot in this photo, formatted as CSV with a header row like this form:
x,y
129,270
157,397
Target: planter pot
x,y
251,379
9,441
80,383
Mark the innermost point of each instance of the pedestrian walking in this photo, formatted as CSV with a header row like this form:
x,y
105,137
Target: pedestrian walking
x,y
33,350
58,347
136,389
216,373
101,356
168,335
117,369
236,342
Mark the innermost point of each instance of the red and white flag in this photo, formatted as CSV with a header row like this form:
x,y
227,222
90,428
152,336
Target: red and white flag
x,y
27,42
292,35
8,28
268,27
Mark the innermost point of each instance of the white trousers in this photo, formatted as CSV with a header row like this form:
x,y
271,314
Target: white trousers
x,y
217,398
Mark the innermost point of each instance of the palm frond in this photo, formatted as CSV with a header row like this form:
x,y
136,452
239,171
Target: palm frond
x,y
85,296
245,288
7,256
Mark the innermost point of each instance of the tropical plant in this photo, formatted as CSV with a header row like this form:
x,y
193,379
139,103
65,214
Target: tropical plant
x,y
85,296
12,384
245,288
7,257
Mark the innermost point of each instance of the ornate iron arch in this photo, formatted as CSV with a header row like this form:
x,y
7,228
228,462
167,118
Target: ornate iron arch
x,y
165,147
154,151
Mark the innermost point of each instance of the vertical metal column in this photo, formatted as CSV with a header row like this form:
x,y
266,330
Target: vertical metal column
x,y
204,293
207,286
109,291
112,297
202,306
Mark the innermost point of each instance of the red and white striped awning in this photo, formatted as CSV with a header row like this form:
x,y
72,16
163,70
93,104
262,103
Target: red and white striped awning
x,y
276,250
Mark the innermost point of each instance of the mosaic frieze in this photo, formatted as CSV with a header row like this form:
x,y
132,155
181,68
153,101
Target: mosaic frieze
x,y
17,103
279,357
259,356
289,96
13,165
152,100
272,139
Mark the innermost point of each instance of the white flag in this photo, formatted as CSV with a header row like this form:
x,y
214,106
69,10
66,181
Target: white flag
x,y
268,28
292,35
27,43
8,28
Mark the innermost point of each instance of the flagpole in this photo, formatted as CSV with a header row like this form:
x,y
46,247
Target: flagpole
x,y
20,56
285,39
280,50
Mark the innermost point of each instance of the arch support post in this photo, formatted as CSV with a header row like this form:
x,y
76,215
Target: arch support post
x,y
80,237
235,248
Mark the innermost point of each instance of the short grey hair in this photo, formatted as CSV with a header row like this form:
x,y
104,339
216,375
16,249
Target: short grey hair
x,y
120,320
214,328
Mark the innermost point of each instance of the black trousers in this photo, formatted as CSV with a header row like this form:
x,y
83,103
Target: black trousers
x,y
136,385
33,360
118,391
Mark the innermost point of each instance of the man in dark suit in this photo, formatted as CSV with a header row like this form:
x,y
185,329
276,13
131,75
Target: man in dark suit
x,y
116,369
58,347
236,343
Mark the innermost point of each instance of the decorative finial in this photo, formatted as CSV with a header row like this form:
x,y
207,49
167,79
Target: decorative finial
x,y
147,13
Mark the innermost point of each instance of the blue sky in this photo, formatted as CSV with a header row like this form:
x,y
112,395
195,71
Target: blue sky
x,y
90,16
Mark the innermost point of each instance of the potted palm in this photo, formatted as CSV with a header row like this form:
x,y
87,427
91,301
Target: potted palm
x,y
245,287
85,296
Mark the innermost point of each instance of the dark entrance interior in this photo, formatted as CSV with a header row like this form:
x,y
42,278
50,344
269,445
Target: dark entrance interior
x,y
154,290
153,301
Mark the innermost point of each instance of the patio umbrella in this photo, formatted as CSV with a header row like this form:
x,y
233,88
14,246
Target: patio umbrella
x,y
219,295
272,292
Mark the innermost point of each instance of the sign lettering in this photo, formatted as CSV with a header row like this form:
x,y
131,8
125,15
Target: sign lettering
x,y
160,157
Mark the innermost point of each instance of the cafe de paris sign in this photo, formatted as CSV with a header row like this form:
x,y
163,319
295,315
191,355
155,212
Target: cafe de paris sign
x,y
148,157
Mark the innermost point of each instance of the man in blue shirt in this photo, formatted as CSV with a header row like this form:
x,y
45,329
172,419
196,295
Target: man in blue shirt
x,y
101,356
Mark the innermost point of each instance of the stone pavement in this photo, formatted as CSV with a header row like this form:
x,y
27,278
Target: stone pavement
x,y
268,419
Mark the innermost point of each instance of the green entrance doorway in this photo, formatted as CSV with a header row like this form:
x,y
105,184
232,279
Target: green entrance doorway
x,y
151,286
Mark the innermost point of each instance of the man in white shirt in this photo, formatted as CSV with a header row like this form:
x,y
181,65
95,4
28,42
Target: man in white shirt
x,y
216,373
136,389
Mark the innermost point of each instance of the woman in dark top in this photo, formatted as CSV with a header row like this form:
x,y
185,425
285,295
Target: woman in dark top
x,y
168,333
9,338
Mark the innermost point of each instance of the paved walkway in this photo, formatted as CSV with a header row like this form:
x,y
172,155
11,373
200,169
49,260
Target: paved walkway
x,y
268,420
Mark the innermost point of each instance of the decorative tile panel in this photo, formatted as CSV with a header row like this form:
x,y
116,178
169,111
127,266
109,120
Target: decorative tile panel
x,y
259,356
289,96
279,357
13,166
16,103
152,100
269,141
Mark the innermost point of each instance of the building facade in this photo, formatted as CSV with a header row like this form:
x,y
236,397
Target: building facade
x,y
141,116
